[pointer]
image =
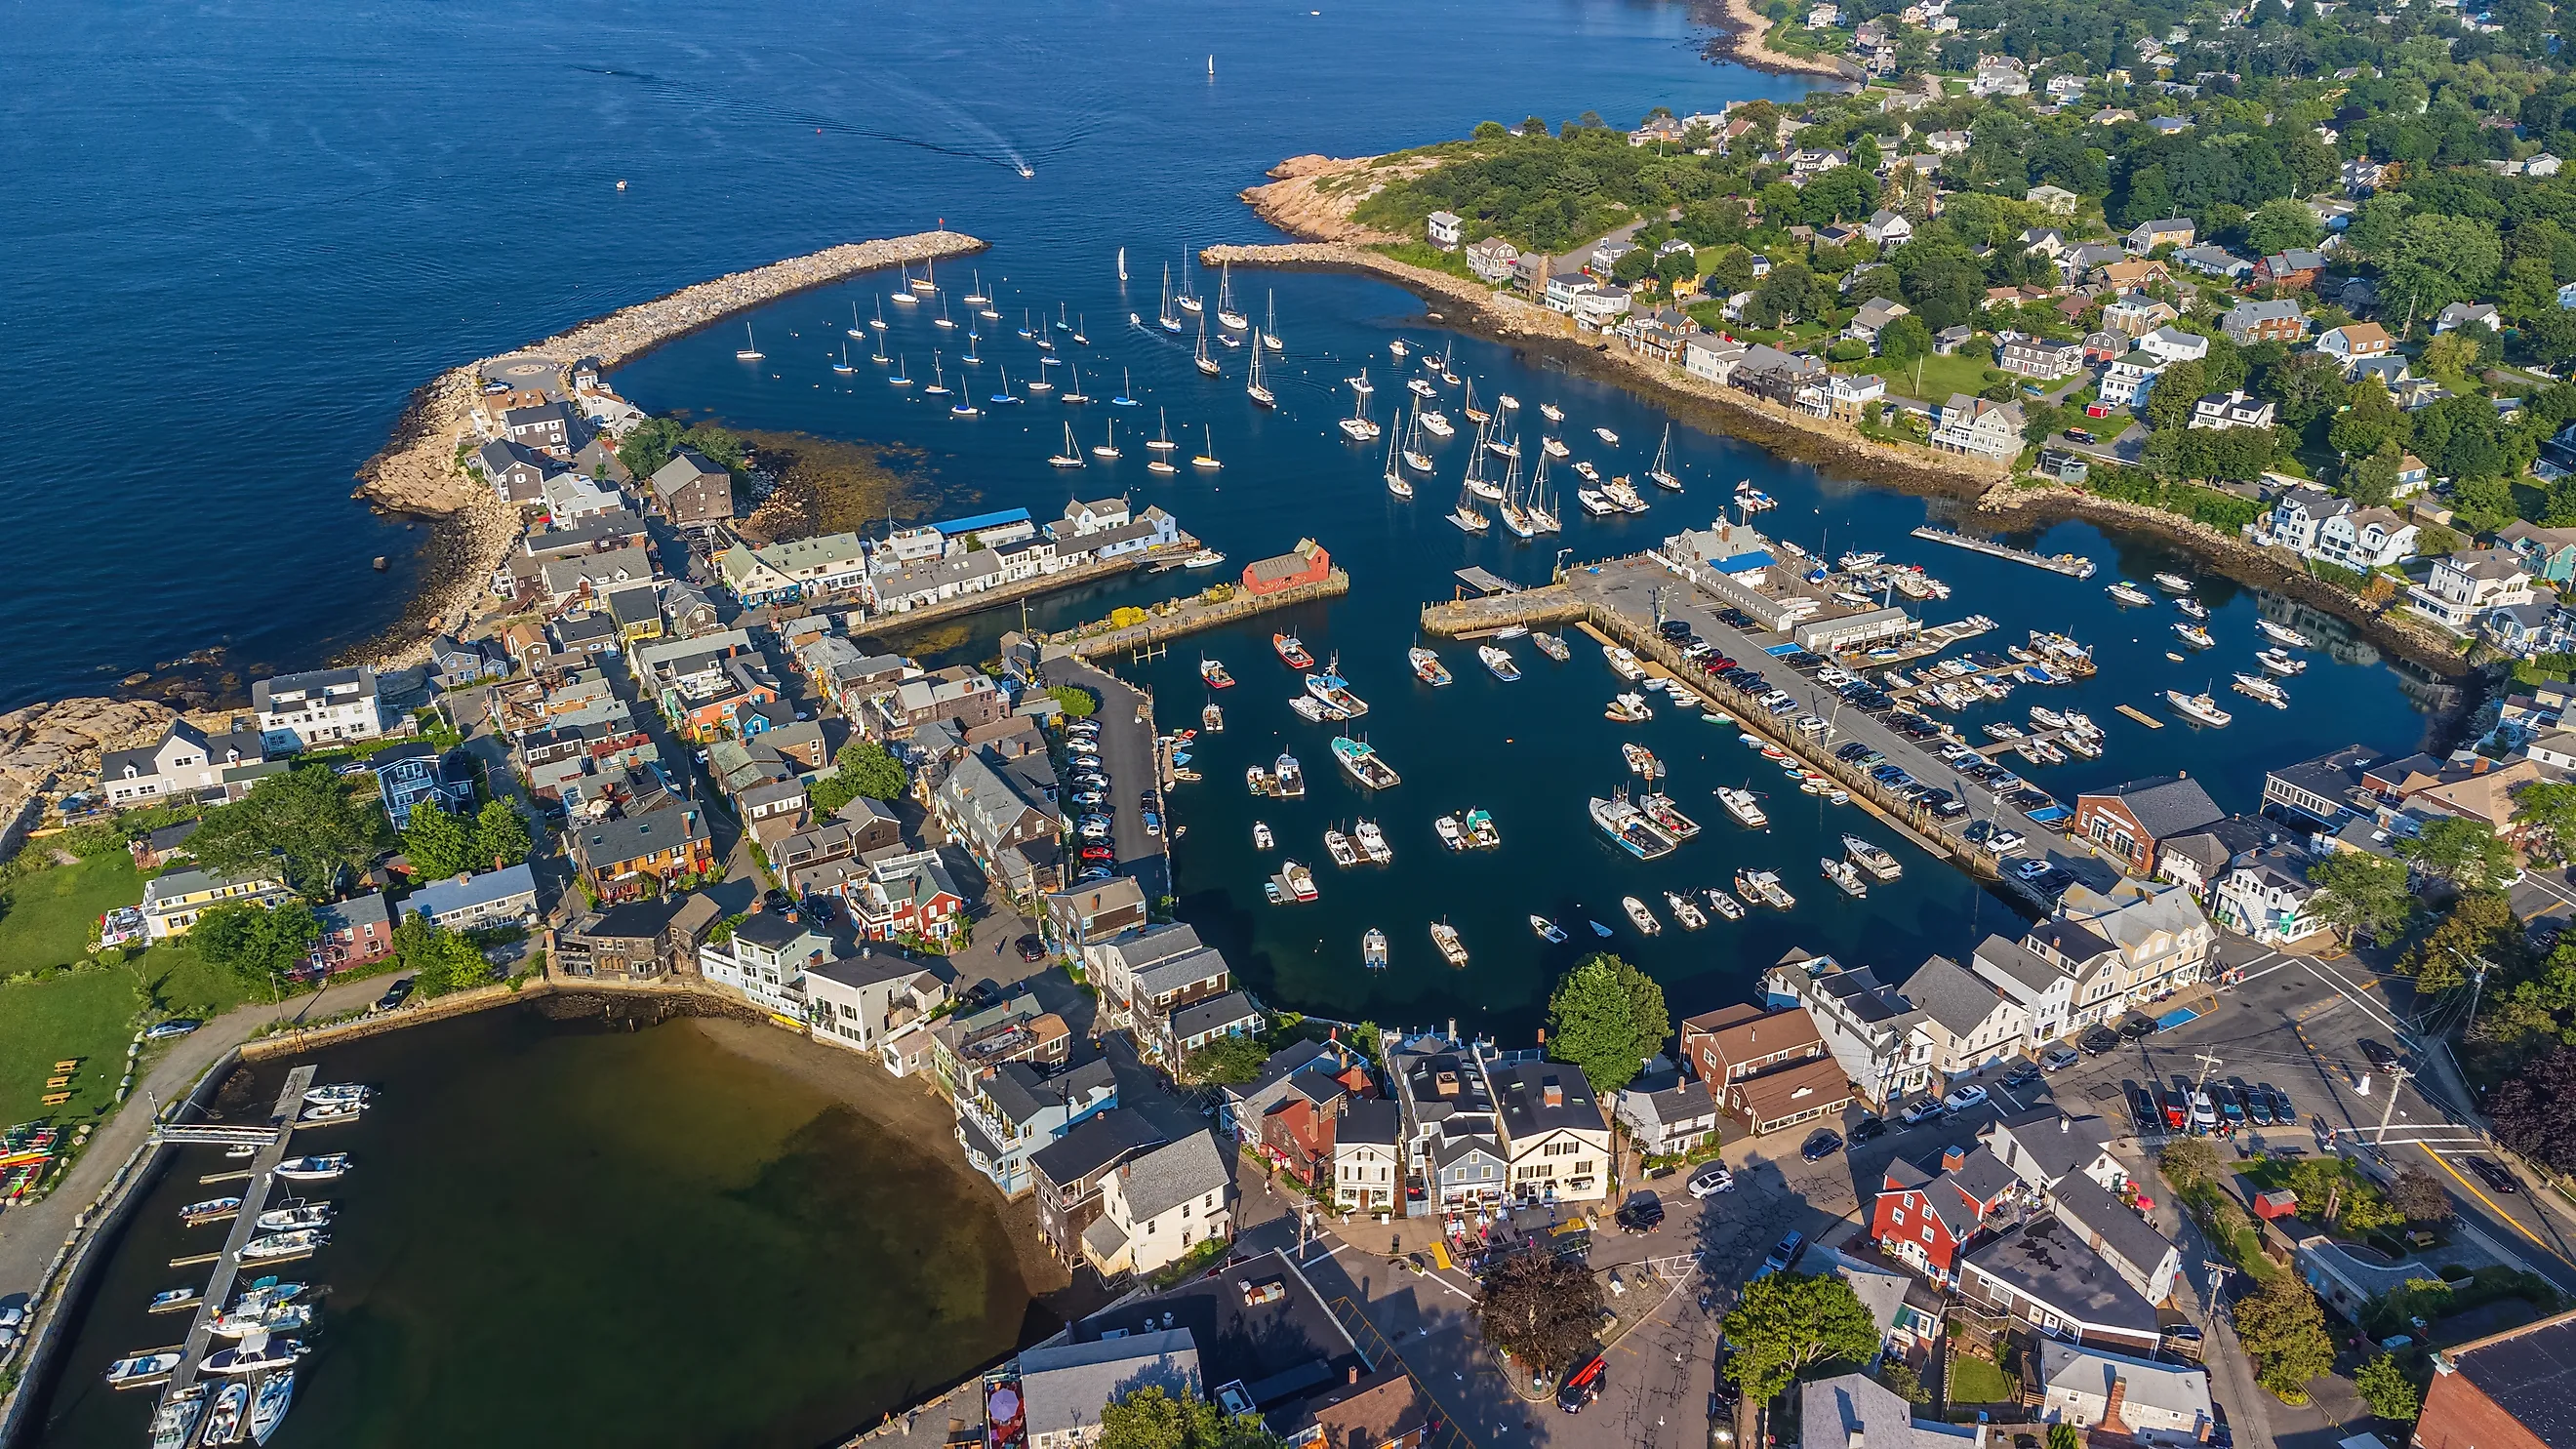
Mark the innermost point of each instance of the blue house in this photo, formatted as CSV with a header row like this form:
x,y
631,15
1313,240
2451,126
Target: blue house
x,y
409,774
2548,554
1018,1110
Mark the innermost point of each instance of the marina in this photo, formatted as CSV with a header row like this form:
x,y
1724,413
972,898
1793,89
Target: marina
x,y
2074,566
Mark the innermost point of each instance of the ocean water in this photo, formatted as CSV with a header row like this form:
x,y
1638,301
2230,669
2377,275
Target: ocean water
x,y
242,233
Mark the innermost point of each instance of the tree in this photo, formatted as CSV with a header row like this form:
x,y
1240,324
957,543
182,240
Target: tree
x,y
1149,1418
2359,894
2480,925
1634,266
2371,419
2188,1162
2548,814
2281,1325
259,945
304,820
1788,1322
2065,1436
2169,402
1229,1059
439,960
1607,1017
437,843
2418,1195
866,768
2279,225
500,834
1077,702
2529,1109
1902,1381
2460,850
1541,1309
2385,1387
1905,339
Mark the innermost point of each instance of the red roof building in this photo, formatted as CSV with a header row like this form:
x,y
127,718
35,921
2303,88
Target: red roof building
x,y
1928,1222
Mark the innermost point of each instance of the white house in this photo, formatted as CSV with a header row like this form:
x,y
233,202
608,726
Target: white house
x,y
1971,1024
1442,227
1368,1157
2150,1401
1156,1208
2266,896
2465,585
2467,314
2356,342
183,762
299,711
1889,229
2366,538
2126,380
1980,426
2172,344
2234,409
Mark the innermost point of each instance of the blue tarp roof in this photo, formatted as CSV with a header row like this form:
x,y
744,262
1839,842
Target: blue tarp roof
x,y
2175,1018
983,520
1777,650
1743,563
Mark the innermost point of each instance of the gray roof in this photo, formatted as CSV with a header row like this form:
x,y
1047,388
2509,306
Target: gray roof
x,y
2084,1201
1065,1385
687,466
1943,990
1097,1142
2046,1262
489,888
1857,1409
1520,1088
607,842
2174,1388
1214,1014
1378,1123
314,682
2017,964
352,914
2054,1143
2165,804
1173,973
1022,1091
1172,1174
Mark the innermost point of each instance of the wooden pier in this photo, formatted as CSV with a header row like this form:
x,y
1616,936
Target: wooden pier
x,y
219,1289
1192,616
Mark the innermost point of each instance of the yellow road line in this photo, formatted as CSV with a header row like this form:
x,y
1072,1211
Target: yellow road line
x,y
2490,1202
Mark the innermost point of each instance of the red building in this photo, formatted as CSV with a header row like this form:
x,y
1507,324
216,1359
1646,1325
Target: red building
x,y
1928,1222
2507,1391
1298,1135
1307,563
2131,821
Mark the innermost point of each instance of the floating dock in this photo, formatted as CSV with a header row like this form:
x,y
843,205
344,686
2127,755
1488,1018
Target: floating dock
x,y
2074,566
219,1289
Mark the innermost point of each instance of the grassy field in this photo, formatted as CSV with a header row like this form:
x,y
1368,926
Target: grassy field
x,y
1942,376
1975,1381
47,921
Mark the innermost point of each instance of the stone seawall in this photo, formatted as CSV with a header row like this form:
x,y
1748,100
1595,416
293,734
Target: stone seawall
x,y
415,472
561,999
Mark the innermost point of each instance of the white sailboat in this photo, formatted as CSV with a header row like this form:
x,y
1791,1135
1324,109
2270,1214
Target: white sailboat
x,y
1252,387
1476,481
1270,327
1660,472
1188,301
1516,518
1108,449
1541,504
1204,362
750,349
943,320
1164,316
1358,427
843,366
1071,457
1226,316
1122,264
1396,482
1208,459
1414,458
938,378
1161,446
976,298
1076,396
857,329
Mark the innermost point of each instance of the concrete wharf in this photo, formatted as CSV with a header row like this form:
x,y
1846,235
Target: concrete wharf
x,y
263,1175
1189,616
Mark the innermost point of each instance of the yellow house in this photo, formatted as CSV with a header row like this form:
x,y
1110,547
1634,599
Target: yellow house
x,y
172,903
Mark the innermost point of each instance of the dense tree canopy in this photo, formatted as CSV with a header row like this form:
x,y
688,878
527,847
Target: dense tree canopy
x,y
304,821
1607,1017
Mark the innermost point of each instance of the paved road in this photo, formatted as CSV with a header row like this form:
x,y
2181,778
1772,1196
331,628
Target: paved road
x,y
1127,757
30,1233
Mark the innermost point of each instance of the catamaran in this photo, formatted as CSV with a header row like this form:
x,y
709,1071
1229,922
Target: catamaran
x,y
1660,472
1252,387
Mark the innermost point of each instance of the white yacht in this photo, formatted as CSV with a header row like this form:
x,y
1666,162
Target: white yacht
x,y
2260,687
1643,919
2198,706
1744,807
2284,635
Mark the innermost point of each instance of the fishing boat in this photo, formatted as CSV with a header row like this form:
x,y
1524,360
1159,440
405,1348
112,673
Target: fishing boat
x,y
1628,709
1479,825
2280,662
283,1245
750,349
1300,880
1427,666
1287,778
1372,843
1291,651
1551,646
1684,911
1744,807
211,1210
1313,710
1641,760
1500,662
1763,887
143,1368
320,1168
2173,583
1548,931
262,1318
1623,495
268,1406
1842,874
1643,919
2198,706
1872,858
1214,673
2193,635
253,1357
2129,593
1262,839
2284,635
174,1423
1445,936
293,1214
2262,688
1360,761
1206,459
1660,472
1252,386
171,1300
1446,827
1623,661
1357,427
1660,809
1630,826
1373,949
1339,847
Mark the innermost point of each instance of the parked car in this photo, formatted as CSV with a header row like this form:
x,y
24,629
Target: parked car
x,y
2380,1056
1643,1210
2022,1074
1822,1145
2099,1040
2059,1057
1711,1179
395,995
1582,1384
1968,1096
176,1026
1784,1253
1031,948
1867,1128
1923,1111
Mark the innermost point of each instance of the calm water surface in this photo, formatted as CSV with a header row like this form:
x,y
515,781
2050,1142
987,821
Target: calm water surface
x,y
587,1237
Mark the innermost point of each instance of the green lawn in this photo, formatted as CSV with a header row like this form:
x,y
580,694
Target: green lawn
x,y
1975,1381
48,919
1942,376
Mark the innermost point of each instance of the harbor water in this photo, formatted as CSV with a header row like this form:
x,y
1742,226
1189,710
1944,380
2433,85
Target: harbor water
x,y
561,1234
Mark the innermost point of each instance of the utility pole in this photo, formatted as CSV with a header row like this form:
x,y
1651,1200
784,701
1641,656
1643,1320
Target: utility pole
x,y
2397,1077
2217,1275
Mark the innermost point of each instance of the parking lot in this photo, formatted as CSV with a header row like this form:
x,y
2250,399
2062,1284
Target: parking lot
x,y
1126,753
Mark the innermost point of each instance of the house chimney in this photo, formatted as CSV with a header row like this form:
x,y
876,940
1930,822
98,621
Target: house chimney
x,y
1355,1374
1553,1092
2112,1422
2065,1125
1953,1158
1857,1440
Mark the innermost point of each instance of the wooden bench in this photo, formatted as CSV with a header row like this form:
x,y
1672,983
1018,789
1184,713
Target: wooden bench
x,y
68,1064
56,1084
56,1099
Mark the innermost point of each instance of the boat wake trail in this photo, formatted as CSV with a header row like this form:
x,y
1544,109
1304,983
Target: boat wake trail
x,y
757,112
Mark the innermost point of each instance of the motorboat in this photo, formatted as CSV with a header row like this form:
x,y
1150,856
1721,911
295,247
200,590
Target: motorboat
x,y
1551,646
1623,495
171,1300
1548,931
1607,436
1314,711
1744,807
1854,560
1551,412
1446,827
1630,827
268,1406
2173,583
319,1168
2263,689
1206,558
1360,761
292,1215
1555,448
1372,843
1398,348
1641,760
336,1092
1628,709
1300,879
1427,666
1339,847
1445,936
1872,858
143,1368
1213,671
212,1209
2129,593
1373,949
1623,662
2192,608
1437,424
253,1357
2280,661
174,1423
283,1245
1841,873
1291,651
1726,906
1763,887
1685,910
1212,719
1332,689
2199,707
1479,825
330,1112
1642,918
1289,779
1591,501
1499,661
2193,635
271,1318
2284,635
1262,839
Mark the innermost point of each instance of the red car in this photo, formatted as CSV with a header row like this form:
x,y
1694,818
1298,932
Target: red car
x,y
1098,852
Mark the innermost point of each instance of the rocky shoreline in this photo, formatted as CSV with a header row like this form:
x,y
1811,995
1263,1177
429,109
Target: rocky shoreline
x,y
1743,43
416,475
